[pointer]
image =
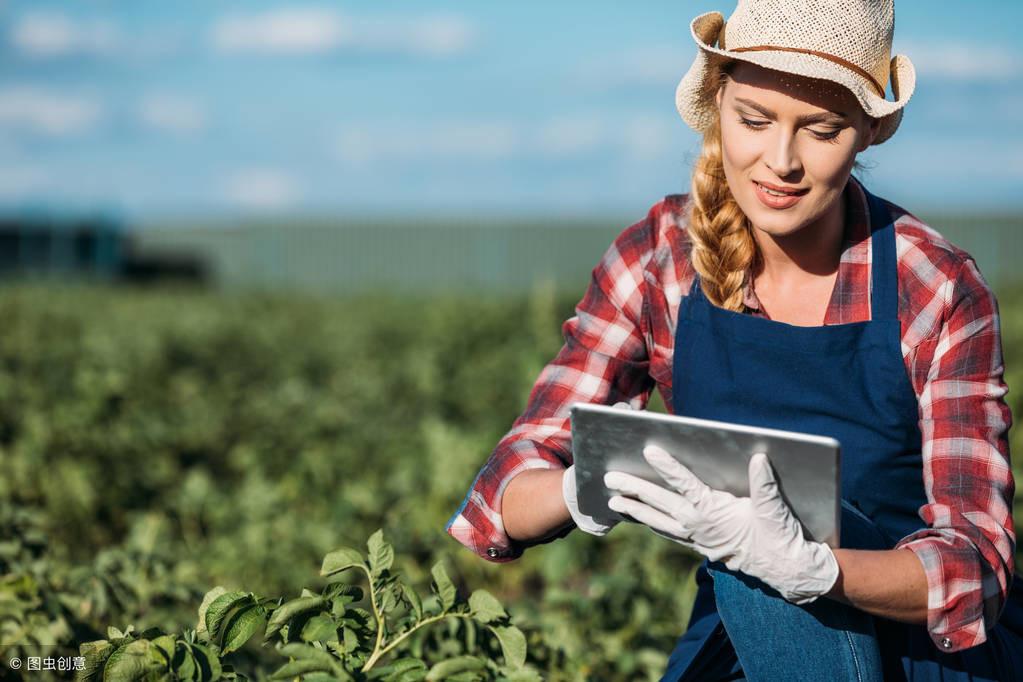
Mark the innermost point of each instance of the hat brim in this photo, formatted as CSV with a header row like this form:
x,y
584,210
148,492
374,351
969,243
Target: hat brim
x,y
694,96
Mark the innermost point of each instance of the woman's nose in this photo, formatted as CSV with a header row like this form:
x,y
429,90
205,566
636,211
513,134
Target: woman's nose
x,y
782,157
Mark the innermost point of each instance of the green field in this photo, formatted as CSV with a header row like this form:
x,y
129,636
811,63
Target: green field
x,y
158,443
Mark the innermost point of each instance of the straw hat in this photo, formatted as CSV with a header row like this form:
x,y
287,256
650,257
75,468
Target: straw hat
x,y
848,42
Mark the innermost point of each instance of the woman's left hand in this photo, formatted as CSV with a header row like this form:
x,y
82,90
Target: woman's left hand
x,y
757,535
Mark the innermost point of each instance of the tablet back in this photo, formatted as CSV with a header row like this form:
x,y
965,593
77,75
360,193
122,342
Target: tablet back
x,y
806,466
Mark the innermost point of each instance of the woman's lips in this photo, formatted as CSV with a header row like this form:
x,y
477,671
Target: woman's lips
x,y
786,199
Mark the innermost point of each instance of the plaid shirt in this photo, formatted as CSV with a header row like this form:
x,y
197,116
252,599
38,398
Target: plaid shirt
x,y
619,347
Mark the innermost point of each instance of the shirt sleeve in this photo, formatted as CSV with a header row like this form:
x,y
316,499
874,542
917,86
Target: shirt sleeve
x,y
603,360
968,548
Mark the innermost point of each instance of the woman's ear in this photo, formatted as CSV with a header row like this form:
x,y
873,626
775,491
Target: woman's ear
x,y
873,127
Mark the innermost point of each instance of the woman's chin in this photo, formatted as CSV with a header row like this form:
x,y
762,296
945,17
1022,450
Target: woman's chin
x,y
776,222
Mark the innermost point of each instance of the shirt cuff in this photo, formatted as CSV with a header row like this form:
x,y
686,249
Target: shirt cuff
x,y
955,609
480,528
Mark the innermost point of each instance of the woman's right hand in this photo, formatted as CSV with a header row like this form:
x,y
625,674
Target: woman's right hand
x,y
589,524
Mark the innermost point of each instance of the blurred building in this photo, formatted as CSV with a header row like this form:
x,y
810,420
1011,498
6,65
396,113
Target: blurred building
x,y
37,244
94,247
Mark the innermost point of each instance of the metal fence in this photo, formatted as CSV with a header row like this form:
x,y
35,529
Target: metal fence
x,y
460,255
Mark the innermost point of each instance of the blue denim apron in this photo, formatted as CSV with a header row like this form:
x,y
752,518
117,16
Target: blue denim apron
x,y
847,381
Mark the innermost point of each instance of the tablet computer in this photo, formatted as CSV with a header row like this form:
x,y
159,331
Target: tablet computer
x,y
806,466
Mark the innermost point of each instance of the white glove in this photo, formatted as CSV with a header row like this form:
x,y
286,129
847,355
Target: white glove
x,y
757,535
588,524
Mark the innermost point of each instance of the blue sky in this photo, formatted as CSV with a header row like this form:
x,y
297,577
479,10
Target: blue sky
x,y
193,108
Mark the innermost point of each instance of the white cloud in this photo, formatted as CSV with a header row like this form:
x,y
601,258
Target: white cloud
x,y
290,31
430,36
961,61
47,112
262,188
172,113
312,30
51,34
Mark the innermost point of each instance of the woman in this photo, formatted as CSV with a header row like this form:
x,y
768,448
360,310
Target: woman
x,y
781,293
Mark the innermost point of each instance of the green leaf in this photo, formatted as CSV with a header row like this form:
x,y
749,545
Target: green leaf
x,y
208,662
412,597
349,593
306,652
96,654
485,607
404,665
218,610
135,660
114,634
183,663
208,599
150,633
445,669
513,644
351,640
165,646
363,616
396,669
241,626
381,553
341,596
519,675
341,559
285,612
300,667
120,653
319,628
388,600
466,676
409,676
443,586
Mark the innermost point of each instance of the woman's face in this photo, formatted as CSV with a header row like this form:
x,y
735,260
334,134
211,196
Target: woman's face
x,y
788,145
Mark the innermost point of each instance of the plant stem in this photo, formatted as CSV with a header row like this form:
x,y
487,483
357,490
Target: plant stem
x,y
379,618
398,640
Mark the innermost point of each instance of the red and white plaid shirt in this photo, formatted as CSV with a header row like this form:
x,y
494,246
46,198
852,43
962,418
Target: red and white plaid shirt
x,y
619,346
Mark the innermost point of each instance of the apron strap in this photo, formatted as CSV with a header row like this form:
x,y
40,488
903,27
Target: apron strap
x,y
884,289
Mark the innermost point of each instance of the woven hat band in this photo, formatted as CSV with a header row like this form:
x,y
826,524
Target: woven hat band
x,y
823,55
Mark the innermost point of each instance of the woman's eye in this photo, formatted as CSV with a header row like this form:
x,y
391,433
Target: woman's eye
x,y
759,124
752,123
825,135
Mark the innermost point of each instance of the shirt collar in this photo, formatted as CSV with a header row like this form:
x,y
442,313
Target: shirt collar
x,y
857,229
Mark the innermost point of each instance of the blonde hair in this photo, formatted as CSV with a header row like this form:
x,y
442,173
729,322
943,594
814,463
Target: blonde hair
x,y
723,246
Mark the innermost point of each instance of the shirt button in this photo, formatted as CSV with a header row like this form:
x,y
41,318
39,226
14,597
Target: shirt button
x,y
946,642
493,553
